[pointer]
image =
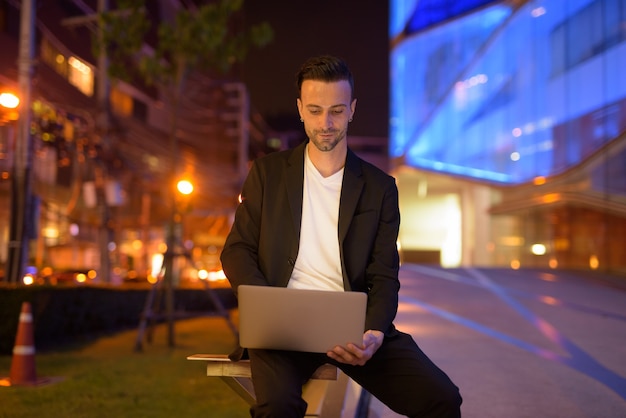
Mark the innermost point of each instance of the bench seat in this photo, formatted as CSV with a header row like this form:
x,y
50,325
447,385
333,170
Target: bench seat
x,y
324,393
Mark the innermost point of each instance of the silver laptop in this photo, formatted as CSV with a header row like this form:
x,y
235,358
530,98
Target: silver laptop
x,y
299,320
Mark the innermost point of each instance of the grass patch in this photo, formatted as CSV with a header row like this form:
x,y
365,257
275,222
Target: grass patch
x,y
106,378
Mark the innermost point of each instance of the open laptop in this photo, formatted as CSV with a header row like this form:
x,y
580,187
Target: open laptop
x,y
299,320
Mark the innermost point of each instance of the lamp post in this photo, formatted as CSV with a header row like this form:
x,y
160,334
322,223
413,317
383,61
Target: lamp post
x,y
19,225
9,103
21,181
173,238
20,187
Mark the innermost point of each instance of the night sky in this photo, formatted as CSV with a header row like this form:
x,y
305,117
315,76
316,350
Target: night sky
x,y
353,30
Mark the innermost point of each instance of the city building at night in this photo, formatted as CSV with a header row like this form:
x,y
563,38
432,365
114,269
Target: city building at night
x,y
103,182
508,132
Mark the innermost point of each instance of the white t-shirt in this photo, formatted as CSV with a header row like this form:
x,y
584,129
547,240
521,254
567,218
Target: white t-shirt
x,y
318,265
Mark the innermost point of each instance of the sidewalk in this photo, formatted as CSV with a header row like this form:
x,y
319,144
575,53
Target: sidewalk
x,y
520,343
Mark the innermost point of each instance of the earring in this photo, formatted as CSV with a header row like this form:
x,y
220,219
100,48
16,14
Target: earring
x,y
350,120
301,120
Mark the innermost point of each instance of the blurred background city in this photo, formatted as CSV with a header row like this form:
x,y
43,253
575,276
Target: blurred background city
x,y
128,126
502,121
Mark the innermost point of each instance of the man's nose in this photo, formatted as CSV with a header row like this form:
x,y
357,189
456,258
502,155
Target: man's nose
x,y
327,120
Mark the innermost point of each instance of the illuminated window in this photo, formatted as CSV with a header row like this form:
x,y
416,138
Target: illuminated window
x,y
80,75
77,72
121,103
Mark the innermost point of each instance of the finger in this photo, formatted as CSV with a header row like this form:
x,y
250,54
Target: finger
x,y
339,358
338,353
357,356
344,355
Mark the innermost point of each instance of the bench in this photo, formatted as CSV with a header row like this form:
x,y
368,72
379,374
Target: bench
x,y
324,393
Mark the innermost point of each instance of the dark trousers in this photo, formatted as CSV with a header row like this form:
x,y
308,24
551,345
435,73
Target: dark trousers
x,y
399,374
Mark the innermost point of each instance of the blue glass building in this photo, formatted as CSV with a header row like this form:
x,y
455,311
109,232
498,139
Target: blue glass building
x,y
508,130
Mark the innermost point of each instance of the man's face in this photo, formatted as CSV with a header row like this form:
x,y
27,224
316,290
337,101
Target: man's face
x,y
326,109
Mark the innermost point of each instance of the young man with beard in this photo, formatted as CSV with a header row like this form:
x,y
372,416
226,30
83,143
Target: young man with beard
x,y
319,217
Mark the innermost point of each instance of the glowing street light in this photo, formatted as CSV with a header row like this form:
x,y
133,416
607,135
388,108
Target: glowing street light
x,y
8,105
9,100
185,187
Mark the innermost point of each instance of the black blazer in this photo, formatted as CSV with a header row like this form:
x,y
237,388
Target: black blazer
x,y
262,246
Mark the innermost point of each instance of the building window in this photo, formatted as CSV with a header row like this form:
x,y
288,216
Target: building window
x,y
121,103
80,76
75,71
590,32
53,57
140,110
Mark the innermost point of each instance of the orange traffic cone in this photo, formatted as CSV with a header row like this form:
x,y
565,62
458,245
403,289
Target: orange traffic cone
x,y
23,363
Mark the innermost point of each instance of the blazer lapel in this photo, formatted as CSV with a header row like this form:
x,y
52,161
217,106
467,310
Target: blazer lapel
x,y
293,179
350,192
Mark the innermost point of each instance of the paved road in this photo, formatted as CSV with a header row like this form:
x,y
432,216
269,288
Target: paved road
x,y
525,343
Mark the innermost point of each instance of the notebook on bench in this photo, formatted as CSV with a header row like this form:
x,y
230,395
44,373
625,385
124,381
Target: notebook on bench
x,y
300,320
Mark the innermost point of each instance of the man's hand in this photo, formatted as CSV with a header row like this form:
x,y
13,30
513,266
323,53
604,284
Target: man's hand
x,y
358,355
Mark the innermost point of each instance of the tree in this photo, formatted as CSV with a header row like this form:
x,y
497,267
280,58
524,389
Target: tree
x,y
196,37
202,37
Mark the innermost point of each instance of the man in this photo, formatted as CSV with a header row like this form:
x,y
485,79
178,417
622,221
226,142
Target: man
x,y
319,217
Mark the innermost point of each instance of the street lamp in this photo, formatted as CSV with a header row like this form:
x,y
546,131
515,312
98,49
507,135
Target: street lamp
x,y
21,181
8,105
17,253
184,187
9,100
173,238
8,113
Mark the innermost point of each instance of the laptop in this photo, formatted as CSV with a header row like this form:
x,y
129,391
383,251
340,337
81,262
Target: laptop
x,y
314,321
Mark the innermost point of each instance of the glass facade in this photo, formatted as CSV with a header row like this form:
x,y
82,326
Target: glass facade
x,y
506,95
514,113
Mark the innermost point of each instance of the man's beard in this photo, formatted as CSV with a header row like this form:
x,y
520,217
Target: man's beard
x,y
327,144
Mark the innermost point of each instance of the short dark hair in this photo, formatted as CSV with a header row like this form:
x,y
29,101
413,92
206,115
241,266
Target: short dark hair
x,y
324,68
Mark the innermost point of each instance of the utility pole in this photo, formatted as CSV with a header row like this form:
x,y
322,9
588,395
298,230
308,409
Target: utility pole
x,y
103,125
21,227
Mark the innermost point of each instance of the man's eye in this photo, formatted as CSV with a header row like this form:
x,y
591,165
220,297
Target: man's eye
x,y
314,112
337,112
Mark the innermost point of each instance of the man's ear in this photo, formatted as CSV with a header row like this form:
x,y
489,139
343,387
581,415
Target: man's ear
x,y
352,107
299,106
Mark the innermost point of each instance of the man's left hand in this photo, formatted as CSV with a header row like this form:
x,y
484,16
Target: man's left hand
x,y
358,355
